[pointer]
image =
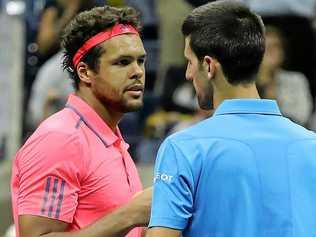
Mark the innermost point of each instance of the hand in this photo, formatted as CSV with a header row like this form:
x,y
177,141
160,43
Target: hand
x,y
141,206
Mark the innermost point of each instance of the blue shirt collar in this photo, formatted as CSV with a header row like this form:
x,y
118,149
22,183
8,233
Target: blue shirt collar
x,y
248,106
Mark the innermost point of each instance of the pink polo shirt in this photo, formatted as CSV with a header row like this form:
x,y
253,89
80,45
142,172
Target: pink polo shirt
x,y
74,169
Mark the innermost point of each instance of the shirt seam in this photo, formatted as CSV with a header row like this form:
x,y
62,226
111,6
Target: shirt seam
x,y
249,112
88,124
180,223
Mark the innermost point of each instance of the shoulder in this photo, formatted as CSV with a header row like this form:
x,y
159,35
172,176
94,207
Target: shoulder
x,y
222,132
57,130
64,121
53,145
204,128
192,139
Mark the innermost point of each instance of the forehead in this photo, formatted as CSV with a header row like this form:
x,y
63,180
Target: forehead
x,y
126,44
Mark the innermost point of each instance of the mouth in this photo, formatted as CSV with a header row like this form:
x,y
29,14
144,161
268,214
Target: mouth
x,y
135,90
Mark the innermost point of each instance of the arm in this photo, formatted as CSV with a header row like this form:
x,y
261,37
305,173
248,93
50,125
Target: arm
x,y
161,231
116,224
47,173
172,203
50,26
48,32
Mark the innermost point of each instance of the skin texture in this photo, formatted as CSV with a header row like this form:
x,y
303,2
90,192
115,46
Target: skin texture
x,y
115,88
118,85
165,232
200,73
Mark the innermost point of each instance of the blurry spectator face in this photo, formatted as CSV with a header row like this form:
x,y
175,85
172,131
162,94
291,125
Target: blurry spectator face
x,y
196,73
119,82
274,54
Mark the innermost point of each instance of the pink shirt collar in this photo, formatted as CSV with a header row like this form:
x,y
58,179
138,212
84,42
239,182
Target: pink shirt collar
x,y
93,120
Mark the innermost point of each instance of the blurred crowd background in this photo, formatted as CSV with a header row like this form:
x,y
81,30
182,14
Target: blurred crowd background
x,y
33,84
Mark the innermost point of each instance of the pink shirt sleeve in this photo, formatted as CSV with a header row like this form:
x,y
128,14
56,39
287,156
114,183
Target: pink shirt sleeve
x,y
49,169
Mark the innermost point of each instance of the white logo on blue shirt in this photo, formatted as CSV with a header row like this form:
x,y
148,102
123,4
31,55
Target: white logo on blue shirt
x,y
163,177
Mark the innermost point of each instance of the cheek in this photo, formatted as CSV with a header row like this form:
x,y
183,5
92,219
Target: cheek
x,y
190,72
193,71
202,82
108,89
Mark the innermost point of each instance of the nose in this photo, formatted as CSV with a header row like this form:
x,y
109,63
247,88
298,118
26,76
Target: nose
x,y
188,74
137,71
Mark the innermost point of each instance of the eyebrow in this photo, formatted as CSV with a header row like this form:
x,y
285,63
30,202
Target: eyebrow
x,y
131,57
142,56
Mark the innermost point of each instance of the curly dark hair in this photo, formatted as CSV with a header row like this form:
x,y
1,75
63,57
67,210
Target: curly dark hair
x,y
228,31
86,25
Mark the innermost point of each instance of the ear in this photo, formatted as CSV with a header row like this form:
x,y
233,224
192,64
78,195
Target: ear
x,y
84,73
209,66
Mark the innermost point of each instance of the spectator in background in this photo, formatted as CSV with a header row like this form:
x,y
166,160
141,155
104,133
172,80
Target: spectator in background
x,y
289,88
170,15
147,9
295,19
50,90
174,91
56,15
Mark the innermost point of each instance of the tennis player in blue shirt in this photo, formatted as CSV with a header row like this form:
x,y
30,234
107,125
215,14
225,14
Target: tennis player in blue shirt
x,y
247,171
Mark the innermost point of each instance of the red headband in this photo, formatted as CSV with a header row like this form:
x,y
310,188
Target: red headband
x,y
117,29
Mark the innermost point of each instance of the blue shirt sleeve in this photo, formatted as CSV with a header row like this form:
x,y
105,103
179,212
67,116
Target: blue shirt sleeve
x,y
173,188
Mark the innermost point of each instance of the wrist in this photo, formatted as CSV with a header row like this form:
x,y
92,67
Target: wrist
x,y
131,215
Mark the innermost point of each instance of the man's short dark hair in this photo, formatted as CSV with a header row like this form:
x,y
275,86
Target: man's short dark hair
x,y
228,31
87,24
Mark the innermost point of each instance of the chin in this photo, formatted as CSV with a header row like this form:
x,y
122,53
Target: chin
x,y
132,107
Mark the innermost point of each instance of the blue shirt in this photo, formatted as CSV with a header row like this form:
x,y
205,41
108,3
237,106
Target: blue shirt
x,y
245,172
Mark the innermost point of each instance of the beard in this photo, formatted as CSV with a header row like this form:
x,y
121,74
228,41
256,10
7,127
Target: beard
x,y
206,101
122,103
204,94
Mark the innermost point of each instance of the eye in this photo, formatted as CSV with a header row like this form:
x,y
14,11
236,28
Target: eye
x,y
141,61
123,62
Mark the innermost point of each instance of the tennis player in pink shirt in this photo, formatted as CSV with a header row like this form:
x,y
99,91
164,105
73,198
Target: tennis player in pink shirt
x,y
74,175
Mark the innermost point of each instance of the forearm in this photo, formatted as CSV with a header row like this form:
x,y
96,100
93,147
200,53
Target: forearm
x,y
162,231
51,28
116,224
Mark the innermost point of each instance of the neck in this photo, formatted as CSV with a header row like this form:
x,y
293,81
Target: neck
x,y
110,117
224,90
